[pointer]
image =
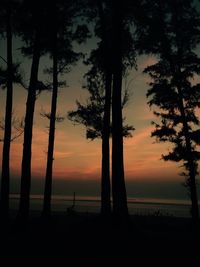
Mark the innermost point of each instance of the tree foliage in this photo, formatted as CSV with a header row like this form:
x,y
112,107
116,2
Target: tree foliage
x,y
174,35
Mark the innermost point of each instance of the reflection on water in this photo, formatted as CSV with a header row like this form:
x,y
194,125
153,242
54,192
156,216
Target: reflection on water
x,y
139,206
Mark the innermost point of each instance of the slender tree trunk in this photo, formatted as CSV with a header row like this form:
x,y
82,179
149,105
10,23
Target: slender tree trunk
x,y
191,163
194,198
105,168
105,176
120,208
5,178
49,168
28,129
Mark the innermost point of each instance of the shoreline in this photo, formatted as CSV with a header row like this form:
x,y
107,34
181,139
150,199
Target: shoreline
x,y
136,206
150,201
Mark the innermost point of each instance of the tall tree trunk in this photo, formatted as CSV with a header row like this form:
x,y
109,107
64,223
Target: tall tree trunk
x,y
120,208
105,168
105,176
5,178
49,168
28,129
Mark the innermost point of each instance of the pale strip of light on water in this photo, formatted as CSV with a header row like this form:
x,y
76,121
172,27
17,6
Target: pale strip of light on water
x,y
137,206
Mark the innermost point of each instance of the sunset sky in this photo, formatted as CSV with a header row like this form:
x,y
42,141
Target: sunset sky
x,y
78,159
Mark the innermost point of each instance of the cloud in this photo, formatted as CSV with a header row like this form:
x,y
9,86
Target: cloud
x,y
62,154
143,156
147,61
139,137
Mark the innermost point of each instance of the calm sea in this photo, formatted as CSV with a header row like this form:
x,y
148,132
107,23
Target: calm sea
x,y
137,206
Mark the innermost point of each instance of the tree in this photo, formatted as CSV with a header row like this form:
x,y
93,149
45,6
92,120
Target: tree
x,y
119,189
63,56
91,115
32,30
8,76
176,24
95,115
105,168
121,33
5,177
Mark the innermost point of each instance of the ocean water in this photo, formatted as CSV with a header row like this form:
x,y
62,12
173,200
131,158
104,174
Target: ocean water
x,y
137,206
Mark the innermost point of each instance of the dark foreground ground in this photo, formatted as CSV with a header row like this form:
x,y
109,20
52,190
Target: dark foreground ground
x,y
86,240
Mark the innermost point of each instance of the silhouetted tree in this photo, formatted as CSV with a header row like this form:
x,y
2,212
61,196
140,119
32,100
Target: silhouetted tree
x,y
91,115
123,57
5,176
173,34
8,76
49,167
32,30
63,56
107,55
122,47
99,82
95,115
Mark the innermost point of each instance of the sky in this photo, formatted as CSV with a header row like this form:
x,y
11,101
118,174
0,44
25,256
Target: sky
x,y
77,164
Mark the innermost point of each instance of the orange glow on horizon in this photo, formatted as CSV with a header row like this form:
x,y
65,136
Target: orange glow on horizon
x,y
78,158
81,159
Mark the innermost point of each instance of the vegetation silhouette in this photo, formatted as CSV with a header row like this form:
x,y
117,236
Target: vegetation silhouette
x,y
32,30
5,177
8,76
96,113
124,29
172,29
63,57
